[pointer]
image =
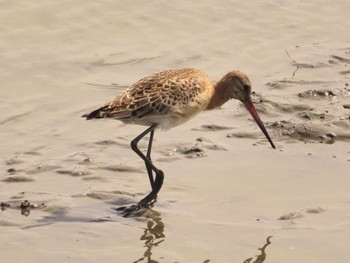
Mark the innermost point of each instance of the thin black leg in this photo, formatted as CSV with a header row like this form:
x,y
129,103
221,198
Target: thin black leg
x,y
158,181
148,155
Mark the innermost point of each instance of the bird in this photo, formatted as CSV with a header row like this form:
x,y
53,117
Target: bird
x,y
168,99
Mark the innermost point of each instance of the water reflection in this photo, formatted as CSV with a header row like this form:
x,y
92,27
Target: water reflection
x,y
260,258
152,236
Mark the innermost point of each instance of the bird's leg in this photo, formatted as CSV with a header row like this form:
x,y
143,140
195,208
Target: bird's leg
x,y
158,181
148,155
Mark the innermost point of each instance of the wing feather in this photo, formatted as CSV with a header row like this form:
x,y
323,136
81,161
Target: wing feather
x,y
154,95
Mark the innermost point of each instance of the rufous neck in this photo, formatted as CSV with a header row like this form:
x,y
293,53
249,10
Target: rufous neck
x,y
220,96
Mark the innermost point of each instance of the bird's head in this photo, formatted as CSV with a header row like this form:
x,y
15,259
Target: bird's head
x,y
236,85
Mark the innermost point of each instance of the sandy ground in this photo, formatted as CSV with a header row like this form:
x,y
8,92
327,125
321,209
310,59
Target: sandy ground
x,y
233,198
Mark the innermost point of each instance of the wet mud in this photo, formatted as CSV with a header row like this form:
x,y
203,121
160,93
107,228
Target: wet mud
x,y
312,111
63,180
318,113
302,213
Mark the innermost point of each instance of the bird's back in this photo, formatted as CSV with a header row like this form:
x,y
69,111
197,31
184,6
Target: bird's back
x,y
167,98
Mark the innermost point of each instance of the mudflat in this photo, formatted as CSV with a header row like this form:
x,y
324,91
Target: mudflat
x,y
227,195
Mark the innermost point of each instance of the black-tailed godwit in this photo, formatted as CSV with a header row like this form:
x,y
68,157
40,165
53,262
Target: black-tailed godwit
x,y
168,99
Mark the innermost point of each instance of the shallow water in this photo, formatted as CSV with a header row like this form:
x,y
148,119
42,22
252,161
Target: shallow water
x,y
227,196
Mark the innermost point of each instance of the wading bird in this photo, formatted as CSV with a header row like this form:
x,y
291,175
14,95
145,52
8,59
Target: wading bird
x,y
168,99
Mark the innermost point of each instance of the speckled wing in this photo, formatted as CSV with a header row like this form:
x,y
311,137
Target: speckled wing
x,y
158,94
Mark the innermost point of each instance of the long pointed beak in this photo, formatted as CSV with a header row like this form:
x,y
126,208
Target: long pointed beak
x,y
250,107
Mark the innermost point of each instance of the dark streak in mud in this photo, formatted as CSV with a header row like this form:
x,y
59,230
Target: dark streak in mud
x,y
286,83
16,117
104,195
134,61
17,179
121,168
212,127
341,59
73,173
243,135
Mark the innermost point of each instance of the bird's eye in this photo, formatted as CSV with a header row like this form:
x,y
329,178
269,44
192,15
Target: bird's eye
x,y
246,87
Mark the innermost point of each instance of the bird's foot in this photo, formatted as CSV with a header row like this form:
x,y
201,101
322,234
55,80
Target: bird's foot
x,y
139,208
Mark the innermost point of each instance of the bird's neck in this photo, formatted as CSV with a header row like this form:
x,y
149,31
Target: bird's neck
x,y
221,95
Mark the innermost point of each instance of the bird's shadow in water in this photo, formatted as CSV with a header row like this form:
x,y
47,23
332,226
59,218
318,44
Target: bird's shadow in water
x,y
260,258
153,235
